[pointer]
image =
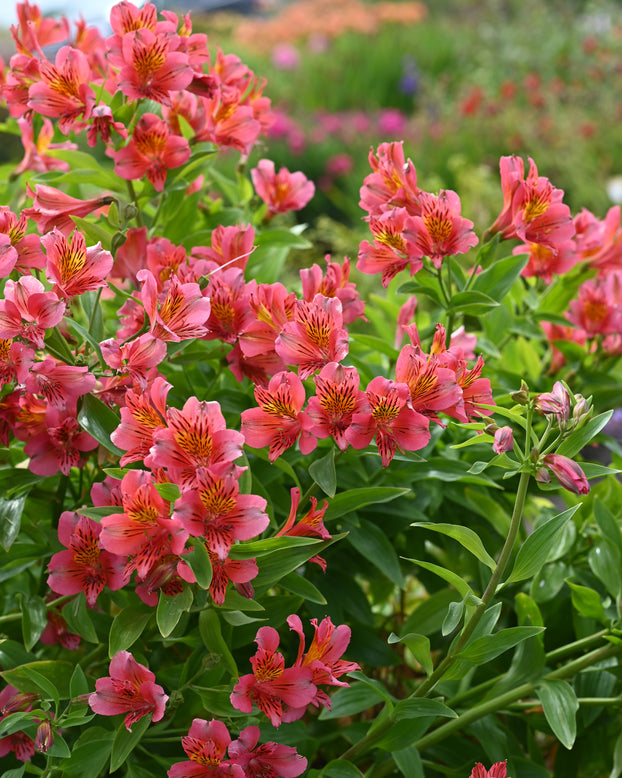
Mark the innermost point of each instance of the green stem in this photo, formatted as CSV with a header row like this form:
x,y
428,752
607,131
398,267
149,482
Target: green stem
x,y
585,701
525,690
134,198
366,742
491,589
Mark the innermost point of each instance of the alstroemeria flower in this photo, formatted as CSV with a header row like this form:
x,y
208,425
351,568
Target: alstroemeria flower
x,y
152,151
59,444
337,398
53,209
183,312
64,90
334,284
282,191
498,770
389,417
71,267
27,310
21,744
143,413
130,689
216,510
271,685
311,525
206,747
392,249
27,248
598,309
279,421
440,231
60,384
151,68
195,437
239,571
504,440
85,566
230,246
393,183
314,337
269,760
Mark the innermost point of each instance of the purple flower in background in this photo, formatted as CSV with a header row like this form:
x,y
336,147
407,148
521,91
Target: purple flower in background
x,y
410,81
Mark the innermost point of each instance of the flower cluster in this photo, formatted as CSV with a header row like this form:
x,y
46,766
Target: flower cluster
x,y
283,693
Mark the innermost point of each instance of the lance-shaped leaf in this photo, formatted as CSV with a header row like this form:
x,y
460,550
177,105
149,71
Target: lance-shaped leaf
x,y
323,473
465,536
170,609
447,575
100,422
419,647
535,550
560,705
353,499
487,647
581,437
127,627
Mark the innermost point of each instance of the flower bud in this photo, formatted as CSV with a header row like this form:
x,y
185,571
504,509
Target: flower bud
x,y
504,440
568,473
555,403
44,737
543,476
522,395
581,411
19,702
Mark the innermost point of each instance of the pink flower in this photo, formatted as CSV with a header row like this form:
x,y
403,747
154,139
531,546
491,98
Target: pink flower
x,y
393,183
282,191
129,689
143,413
151,69
498,770
60,384
206,746
555,403
392,249
545,262
279,420
151,152
21,744
53,209
182,313
71,267
269,760
568,473
215,509
311,525
230,246
64,90
334,284
84,566
58,445
314,337
337,398
271,685
440,231
195,437
389,417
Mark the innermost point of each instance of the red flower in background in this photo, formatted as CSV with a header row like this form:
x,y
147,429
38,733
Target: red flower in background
x,y
498,770
130,689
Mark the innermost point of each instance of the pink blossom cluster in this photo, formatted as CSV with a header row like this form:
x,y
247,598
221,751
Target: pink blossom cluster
x,y
407,224
283,693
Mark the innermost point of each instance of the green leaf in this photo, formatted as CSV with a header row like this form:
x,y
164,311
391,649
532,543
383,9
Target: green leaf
x,y
471,303
211,634
419,647
78,618
587,602
27,677
617,758
465,536
170,609
447,575
409,763
127,627
45,687
168,492
200,564
77,683
101,512
34,618
581,437
94,233
125,742
259,548
560,705
352,500
339,768
350,700
323,473
418,707
86,335
10,519
57,345
89,753
537,547
100,422
371,542
487,647
604,561
283,238
298,584
277,565
499,278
